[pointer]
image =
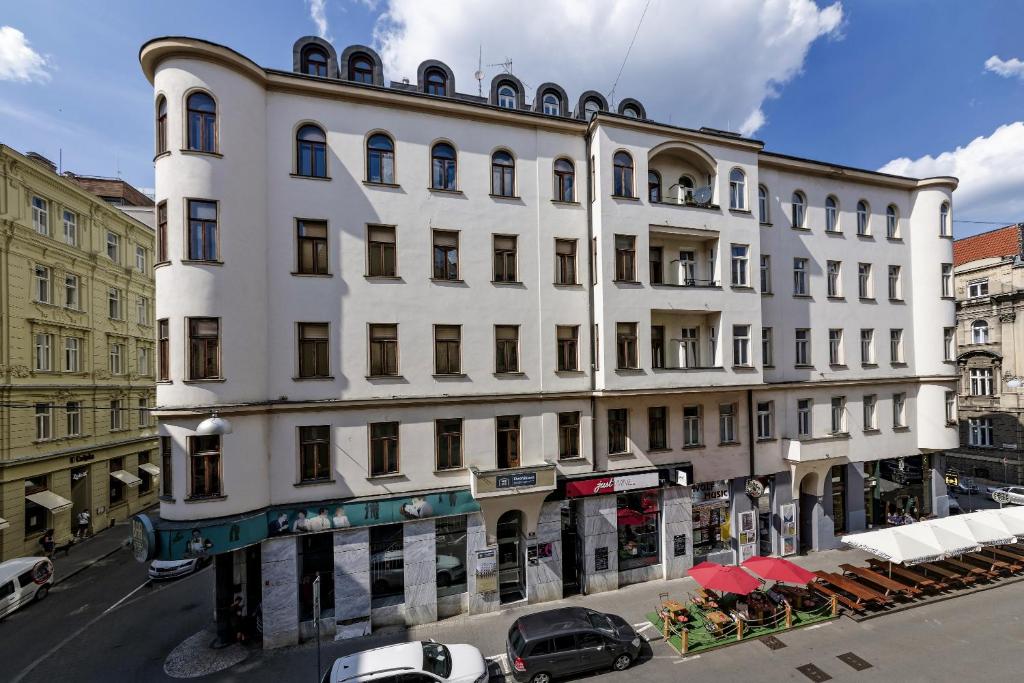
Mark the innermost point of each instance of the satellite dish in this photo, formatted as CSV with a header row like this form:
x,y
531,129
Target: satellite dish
x,y
702,195
479,75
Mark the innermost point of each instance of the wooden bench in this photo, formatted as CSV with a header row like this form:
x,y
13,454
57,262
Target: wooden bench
x,y
858,590
969,568
821,588
890,585
948,574
919,579
995,566
1011,557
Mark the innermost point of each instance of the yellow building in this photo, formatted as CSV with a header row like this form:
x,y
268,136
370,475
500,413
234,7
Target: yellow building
x,y
76,356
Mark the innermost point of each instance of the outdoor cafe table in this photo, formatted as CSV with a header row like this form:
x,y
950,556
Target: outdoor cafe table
x,y
919,580
799,598
890,585
676,611
718,620
946,573
994,566
1007,555
969,568
858,590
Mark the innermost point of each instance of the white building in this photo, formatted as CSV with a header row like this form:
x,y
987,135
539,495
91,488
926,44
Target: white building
x,y
482,350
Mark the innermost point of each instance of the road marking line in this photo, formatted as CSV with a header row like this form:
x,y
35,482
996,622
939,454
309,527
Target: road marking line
x,y
643,624
686,659
811,628
119,602
643,627
502,662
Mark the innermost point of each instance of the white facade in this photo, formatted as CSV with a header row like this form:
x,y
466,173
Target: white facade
x,y
252,287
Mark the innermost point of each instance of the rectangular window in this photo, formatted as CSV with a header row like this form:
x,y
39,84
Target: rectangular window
x,y
639,536
977,288
506,348
657,428
163,350
508,444
741,345
689,346
140,259
625,258
43,352
71,299
833,269
835,347
71,228
117,487
311,247
315,453
658,346
505,258
116,351
568,347
899,410
869,412
161,232
565,262
146,485
568,435
625,344
383,350
41,215
727,423
114,311
381,251
72,354
446,255
766,274
838,414
950,407
800,277
73,417
42,288
383,448
44,421
166,482
979,432
447,349
946,285
948,343
143,412
204,348
803,417
802,338
142,310
765,419
712,346
204,466
202,230
117,414
693,427
656,265
867,347
449,443
767,347
864,281
143,360
618,430
113,246
981,381
895,283
740,265
896,345
314,350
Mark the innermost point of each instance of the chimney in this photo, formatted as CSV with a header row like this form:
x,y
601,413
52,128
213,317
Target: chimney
x,y
42,161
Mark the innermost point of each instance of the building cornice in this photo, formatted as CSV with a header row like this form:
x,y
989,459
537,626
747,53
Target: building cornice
x,y
785,162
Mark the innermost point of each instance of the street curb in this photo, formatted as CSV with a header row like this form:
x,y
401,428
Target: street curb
x,y
81,569
1009,581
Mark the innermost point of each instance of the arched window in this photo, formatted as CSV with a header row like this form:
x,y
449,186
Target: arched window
x,y
380,159
863,218
831,214
503,174
799,209
979,332
507,97
435,82
314,61
891,222
944,220
622,175
686,186
590,108
360,68
762,204
565,181
737,189
552,107
202,122
443,167
653,187
161,125
311,152
631,112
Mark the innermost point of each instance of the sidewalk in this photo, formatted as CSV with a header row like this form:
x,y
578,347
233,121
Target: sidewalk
x,y
84,554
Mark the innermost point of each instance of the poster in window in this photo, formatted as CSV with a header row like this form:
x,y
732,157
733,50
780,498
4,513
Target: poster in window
x,y
747,533
789,534
487,570
747,550
789,545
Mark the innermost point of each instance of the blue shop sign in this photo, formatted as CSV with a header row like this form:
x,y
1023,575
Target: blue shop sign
x,y
515,481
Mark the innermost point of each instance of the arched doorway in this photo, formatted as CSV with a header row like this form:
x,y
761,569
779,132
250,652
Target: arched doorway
x,y
809,502
511,562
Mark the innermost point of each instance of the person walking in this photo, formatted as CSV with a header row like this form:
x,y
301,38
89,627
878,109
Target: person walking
x,y
47,543
83,525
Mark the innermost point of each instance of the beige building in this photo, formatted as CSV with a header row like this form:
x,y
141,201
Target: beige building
x,y
76,357
989,274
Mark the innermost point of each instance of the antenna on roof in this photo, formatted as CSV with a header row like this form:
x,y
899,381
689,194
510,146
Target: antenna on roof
x,y
506,65
479,75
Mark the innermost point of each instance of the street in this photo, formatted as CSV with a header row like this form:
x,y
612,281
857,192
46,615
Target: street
x,y
108,624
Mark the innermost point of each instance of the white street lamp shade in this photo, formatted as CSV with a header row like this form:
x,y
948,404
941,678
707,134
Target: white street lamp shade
x,y
214,426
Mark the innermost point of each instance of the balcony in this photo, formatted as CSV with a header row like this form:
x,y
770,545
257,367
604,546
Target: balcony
x,y
685,341
682,185
683,257
831,447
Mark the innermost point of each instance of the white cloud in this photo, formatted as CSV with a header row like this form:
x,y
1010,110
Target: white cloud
x,y
693,63
318,13
18,61
1007,69
991,173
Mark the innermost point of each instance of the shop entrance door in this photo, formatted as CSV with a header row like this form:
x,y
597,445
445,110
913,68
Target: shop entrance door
x,y
764,525
570,551
511,567
80,498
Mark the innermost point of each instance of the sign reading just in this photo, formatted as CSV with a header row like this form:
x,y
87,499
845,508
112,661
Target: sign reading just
x,y
602,485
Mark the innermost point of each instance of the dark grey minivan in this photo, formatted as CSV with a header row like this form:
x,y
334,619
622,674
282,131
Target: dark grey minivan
x,y
561,642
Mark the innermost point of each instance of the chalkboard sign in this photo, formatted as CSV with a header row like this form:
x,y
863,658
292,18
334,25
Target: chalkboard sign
x,y
679,545
601,559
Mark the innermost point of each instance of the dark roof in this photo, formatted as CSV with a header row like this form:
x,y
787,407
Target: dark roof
x,y
998,243
552,622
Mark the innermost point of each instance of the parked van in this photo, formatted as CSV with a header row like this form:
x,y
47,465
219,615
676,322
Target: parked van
x,y
23,580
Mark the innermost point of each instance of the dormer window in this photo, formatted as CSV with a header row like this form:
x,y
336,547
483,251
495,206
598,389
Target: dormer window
x,y
507,97
314,61
552,107
631,112
360,69
590,109
435,83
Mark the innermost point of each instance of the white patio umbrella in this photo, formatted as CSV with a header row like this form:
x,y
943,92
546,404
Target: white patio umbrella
x,y
951,542
1011,517
900,548
984,530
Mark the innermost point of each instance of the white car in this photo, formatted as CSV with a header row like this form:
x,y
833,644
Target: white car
x,y
23,580
172,569
418,662
1013,495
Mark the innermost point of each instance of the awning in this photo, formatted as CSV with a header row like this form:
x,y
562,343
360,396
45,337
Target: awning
x,y
4,524
150,468
126,478
50,500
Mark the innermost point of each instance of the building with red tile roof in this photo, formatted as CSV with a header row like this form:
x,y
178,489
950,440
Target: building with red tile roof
x,y
992,244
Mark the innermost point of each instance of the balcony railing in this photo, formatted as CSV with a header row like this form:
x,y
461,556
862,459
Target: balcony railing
x,y
689,282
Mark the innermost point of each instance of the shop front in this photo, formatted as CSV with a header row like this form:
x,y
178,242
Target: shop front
x,y
712,522
896,489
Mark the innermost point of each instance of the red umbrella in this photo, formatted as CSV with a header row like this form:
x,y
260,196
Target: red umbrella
x,y
726,579
778,569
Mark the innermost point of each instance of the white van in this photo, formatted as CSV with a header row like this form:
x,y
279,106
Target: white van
x,y
23,580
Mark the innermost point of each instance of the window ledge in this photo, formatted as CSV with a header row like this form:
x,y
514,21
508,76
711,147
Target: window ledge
x,y
621,456
569,373
951,423
945,237
728,443
441,190
165,499
765,439
449,375
894,239
744,368
803,366
872,430
836,297
746,211
800,228
205,499
315,378
385,477
802,296
838,366
161,155
625,198
379,377
515,373
373,183
900,300
900,429
769,293
867,299
161,264
869,365
201,153
573,460
310,177
324,275
696,446
383,278
766,224
201,262
627,282
899,364
665,449
630,371
440,281
563,202
512,197
165,381
508,283
835,233
567,285
313,482
204,380
946,298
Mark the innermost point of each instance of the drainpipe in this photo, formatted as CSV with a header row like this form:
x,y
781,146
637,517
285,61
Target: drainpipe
x,y
594,346
750,431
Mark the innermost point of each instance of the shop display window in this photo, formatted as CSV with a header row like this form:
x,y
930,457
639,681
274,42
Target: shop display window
x,y
639,517
316,559
451,555
707,529
387,565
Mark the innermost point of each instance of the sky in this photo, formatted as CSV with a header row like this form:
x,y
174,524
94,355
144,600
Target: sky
x,y
910,87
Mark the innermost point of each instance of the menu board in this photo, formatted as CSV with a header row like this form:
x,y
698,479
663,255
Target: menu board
x,y
679,545
601,559
487,570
